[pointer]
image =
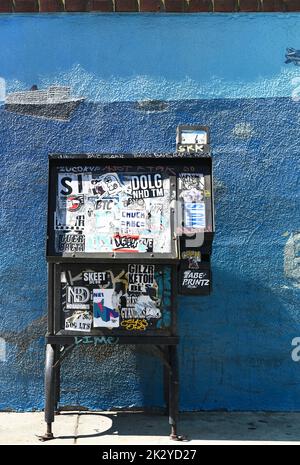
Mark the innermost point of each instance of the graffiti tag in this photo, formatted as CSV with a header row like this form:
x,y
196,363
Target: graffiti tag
x,y
134,325
96,340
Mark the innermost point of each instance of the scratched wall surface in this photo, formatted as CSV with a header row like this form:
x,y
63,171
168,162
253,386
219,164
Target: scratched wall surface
x,y
224,71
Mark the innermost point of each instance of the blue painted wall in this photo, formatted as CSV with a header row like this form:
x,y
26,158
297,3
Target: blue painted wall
x,y
225,71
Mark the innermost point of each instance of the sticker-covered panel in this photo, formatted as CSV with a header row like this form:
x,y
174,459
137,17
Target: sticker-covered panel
x,y
112,212
124,298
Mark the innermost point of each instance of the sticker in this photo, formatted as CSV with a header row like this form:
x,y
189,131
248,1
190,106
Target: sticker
x,y
79,321
74,202
186,254
77,298
73,184
105,204
145,307
194,215
188,181
195,279
108,184
193,257
194,263
68,221
128,312
145,244
132,221
137,204
69,242
146,186
103,219
97,277
192,195
128,243
141,306
140,277
192,187
98,243
133,243
105,316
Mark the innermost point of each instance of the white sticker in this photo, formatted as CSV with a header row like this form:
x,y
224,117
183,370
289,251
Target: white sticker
x,y
105,316
79,321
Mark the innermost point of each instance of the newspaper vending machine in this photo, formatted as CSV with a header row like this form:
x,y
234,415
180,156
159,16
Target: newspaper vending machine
x,y
126,234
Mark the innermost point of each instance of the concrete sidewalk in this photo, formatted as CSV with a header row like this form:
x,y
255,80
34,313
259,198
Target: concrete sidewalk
x,y
120,428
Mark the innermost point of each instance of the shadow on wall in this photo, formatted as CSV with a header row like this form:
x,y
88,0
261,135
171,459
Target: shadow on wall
x,y
233,345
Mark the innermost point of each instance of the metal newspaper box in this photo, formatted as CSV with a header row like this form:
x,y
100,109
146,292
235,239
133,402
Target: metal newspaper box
x,y
120,244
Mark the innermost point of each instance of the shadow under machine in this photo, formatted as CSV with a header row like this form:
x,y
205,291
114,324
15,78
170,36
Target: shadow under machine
x,y
126,234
